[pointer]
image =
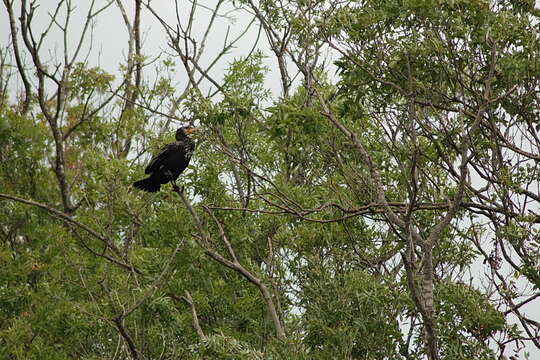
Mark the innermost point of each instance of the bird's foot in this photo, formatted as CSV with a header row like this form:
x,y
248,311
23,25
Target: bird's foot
x,y
177,189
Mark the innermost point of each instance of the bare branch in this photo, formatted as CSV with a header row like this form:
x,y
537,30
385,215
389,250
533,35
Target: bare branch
x,y
236,266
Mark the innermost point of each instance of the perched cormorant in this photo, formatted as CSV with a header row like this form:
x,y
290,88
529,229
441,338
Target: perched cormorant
x,y
169,163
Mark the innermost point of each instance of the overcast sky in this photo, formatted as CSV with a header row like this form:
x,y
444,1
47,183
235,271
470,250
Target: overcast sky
x,y
110,35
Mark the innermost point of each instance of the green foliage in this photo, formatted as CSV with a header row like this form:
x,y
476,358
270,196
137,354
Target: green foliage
x,y
223,347
23,145
350,315
279,190
465,310
85,81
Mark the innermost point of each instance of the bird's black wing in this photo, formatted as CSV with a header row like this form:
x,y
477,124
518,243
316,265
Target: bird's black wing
x,y
159,159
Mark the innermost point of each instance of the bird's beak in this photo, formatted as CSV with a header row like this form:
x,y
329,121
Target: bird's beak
x,y
191,130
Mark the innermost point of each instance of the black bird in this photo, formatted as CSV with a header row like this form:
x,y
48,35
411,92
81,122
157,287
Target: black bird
x,y
169,163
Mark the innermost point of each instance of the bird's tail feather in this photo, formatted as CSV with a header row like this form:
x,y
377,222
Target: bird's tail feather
x,y
147,184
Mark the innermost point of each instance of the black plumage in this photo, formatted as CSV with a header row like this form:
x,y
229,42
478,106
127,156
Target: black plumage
x,y
169,163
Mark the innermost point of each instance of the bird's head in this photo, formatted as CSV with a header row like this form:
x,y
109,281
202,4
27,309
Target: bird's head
x,y
184,131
